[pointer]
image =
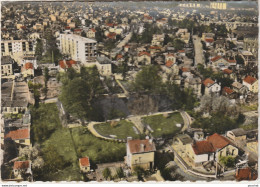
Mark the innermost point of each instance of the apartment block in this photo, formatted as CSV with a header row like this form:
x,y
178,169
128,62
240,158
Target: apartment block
x,y
78,48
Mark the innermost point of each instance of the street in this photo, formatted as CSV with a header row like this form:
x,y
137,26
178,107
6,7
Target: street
x,y
199,56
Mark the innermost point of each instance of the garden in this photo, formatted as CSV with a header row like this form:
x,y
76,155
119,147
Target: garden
x,y
163,125
117,129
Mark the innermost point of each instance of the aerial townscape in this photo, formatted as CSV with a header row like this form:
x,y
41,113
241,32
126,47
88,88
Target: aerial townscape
x,y
129,91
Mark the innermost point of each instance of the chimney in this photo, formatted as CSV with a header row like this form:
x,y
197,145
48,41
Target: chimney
x,y
147,137
142,147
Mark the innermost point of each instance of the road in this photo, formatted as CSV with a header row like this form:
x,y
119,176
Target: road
x,y
125,40
199,56
186,120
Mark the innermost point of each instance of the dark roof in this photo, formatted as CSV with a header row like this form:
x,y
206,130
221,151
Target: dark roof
x,y
6,60
184,138
239,132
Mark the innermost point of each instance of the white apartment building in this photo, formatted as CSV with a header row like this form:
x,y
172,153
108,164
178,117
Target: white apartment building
x,y
78,48
17,49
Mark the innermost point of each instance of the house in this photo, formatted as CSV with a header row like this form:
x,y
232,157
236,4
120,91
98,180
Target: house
x,y
21,167
251,83
207,36
193,83
91,33
140,153
246,174
211,87
181,53
6,66
237,134
222,146
104,65
65,64
226,91
219,62
200,152
27,70
228,73
209,42
157,39
144,58
84,164
239,88
181,143
170,57
20,136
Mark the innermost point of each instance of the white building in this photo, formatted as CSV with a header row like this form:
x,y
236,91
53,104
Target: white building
x,y
78,48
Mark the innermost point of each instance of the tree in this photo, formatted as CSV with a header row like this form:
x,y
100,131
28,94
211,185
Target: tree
x,y
120,173
106,173
228,161
178,44
139,172
10,150
240,60
39,49
148,80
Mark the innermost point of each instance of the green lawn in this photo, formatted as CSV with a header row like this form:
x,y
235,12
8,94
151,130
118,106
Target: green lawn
x,y
247,108
122,130
164,126
98,150
85,144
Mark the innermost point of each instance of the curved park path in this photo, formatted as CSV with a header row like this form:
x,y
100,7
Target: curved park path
x,y
136,120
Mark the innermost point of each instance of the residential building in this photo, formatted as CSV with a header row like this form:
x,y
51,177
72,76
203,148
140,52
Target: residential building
x,y
15,97
20,136
21,167
78,48
84,164
246,174
237,134
104,65
251,83
251,44
193,83
27,70
181,143
211,87
17,48
91,33
6,66
144,58
239,88
140,153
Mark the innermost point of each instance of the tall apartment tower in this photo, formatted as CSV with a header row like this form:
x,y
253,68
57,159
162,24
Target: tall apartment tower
x,y
78,48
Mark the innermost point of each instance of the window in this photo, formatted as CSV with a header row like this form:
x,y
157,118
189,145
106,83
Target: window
x,y
139,159
233,150
220,153
21,141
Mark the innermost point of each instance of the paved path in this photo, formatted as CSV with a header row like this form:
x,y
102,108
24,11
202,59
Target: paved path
x,y
199,56
137,121
187,120
125,40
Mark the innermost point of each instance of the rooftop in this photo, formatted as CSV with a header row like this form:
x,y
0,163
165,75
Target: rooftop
x,y
141,146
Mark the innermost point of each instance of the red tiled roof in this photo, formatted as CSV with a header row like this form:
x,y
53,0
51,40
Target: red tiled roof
x,y
28,65
110,24
169,63
210,40
119,56
135,146
185,69
245,174
93,30
227,71
84,161
111,35
62,64
250,80
67,27
228,90
127,46
232,61
70,63
218,141
18,134
21,164
208,82
77,30
23,27
216,58
144,53
181,51
202,147
155,47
